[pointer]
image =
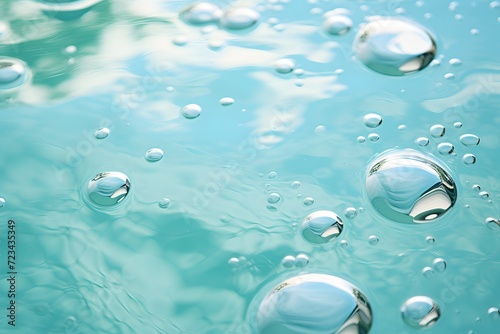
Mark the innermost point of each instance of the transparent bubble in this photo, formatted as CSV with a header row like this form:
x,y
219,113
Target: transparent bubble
x,y
469,159
439,264
272,175
154,155
337,24
350,212
373,239
422,141
108,188
201,13
361,139
233,262
445,148
484,194
344,243
239,18
321,226
469,139
430,239
455,61
428,272
288,261
226,101
494,312
492,223
372,120
437,130
191,111
66,10
180,40
101,133
295,185
373,137
314,303
164,203
458,125
394,46
301,260
407,186
320,130
70,49
284,65
476,187
420,312
298,72
273,198
402,127
2,202
13,73
449,76
308,201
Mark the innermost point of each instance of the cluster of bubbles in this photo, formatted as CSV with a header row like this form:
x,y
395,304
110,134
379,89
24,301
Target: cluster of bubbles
x,y
372,121
438,265
299,261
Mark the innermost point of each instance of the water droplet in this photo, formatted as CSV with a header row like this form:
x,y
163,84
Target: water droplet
x,y
420,312
476,187
337,24
402,127
320,130
164,203
422,141
101,133
321,226
439,264
394,46
469,139
373,240
201,13
445,148
492,223
428,272
295,185
430,239
372,120
191,111
13,72
449,76
350,212
239,18
226,101
344,243
233,262
180,40
314,303
494,312
272,175
288,261
437,130
469,159
108,188
284,65
273,198
298,72
407,186
361,139
458,125
154,155
2,202
484,194
301,260
455,62
373,137
308,201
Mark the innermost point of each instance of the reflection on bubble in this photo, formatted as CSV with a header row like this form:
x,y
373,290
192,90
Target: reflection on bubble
x,y
321,226
239,18
191,111
13,73
314,303
108,188
394,46
469,139
437,130
154,155
337,24
284,65
407,186
201,13
2,202
372,120
420,312
101,133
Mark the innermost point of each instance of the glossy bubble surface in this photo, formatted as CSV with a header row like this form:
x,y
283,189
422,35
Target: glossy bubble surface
x,y
191,111
108,188
67,10
337,24
420,312
239,18
314,303
201,13
394,46
321,226
13,72
407,186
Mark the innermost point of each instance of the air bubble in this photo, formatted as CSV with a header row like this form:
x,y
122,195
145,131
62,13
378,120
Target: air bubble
x,y
108,188
191,111
272,175
233,262
361,139
469,139
407,186
154,155
295,185
373,137
226,101
273,198
439,264
373,240
494,312
288,261
101,133
164,203
430,239
469,159
455,62
301,260
321,226
492,223
201,13
239,18
314,303
284,65
420,312
437,130
70,49
320,130
449,76
372,120
394,46
308,201
13,73
2,202
484,194
428,272
476,187
350,212
422,141
445,148
337,24
458,125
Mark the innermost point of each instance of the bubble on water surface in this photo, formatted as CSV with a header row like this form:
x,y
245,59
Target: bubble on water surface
x,y
284,65
494,312
439,264
295,185
191,111
337,24
314,303
469,159
2,202
272,175
420,312
469,139
101,133
288,261
455,62
449,76
430,239
373,137
422,141
321,226
458,125
361,139
437,130
301,260
273,198
226,101
350,212
154,155
66,10
13,72
308,201
445,148
372,120
407,186
201,13
164,203
492,223
484,194
320,130
108,188
373,240
394,46
428,272
239,18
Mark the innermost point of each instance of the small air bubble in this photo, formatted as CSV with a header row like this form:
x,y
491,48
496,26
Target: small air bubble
x,y
449,76
373,137
492,223
288,261
484,194
469,159
101,133
422,141
164,203
476,187
372,120
373,240
455,61
458,125
320,130
494,312
361,139
273,198
439,264
469,139
437,130
428,272
308,201
337,24
284,65
154,155
226,101
445,148
191,111
430,239
2,202
301,260
272,175
295,185
350,212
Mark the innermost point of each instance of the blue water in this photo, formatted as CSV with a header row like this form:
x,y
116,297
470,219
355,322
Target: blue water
x,y
203,262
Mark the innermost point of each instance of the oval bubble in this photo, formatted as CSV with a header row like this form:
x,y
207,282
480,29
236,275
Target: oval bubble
x,y
13,72
67,10
394,46
420,312
239,18
314,303
372,120
108,188
191,111
337,24
201,13
321,226
409,187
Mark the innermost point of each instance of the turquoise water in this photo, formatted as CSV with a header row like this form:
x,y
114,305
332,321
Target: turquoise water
x,y
207,230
